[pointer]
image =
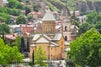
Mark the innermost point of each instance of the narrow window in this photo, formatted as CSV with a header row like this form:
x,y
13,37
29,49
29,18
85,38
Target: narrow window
x,y
65,28
65,38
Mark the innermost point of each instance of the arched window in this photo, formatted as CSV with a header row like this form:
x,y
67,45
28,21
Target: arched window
x,y
65,28
65,38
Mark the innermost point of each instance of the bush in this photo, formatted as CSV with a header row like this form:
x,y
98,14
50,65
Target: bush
x,y
4,17
10,11
2,9
27,10
21,19
35,7
14,12
14,4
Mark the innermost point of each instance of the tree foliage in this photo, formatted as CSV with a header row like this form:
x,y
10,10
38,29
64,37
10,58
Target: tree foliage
x,y
30,17
93,21
98,26
74,19
40,56
13,12
22,44
4,29
21,19
10,11
9,54
4,17
35,7
93,18
28,44
14,4
18,41
83,28
27,10
6,12
85,50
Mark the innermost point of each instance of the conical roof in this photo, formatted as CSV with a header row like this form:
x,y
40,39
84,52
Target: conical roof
x,y
48,16
65,11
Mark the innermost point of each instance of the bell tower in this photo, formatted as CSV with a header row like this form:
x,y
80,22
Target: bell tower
x,y
48,23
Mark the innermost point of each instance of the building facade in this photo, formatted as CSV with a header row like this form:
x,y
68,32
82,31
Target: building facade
x,y
52,43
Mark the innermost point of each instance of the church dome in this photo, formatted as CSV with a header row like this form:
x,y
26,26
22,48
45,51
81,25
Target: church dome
x,y
48,16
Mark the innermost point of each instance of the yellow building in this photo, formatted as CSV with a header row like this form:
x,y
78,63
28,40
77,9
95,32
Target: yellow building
x,y
52,43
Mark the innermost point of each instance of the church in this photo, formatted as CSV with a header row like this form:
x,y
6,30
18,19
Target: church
x,y
51,42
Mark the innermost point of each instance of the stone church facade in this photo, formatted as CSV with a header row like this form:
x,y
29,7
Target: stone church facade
x,y
52,43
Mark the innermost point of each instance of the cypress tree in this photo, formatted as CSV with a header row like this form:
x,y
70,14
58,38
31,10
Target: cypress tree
x,y
28,43
22,44
33,57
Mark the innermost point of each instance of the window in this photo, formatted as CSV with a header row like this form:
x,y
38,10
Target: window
x,y
65,28
65,38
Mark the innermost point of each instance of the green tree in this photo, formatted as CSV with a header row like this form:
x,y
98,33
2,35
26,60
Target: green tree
x,y
14,12
21,19
3,9
33,58
4,29
28,44
98,26
29,17
85,50
92,21
93,18
27,10
22,44
10,11
83,28
35,7
18,41
9,54
19,6
74,19
4,17
40,56
14,4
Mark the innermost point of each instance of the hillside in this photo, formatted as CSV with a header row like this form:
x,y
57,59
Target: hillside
x,y
81,5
